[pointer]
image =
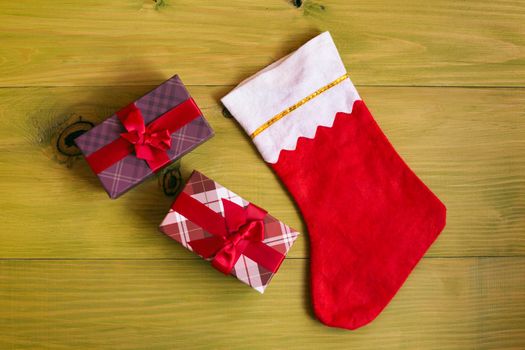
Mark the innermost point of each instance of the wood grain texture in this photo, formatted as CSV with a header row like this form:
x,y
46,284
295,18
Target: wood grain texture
x,y
472,303
98,42
468,149
444,79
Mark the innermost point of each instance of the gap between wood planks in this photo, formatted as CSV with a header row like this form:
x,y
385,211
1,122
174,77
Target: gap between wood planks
x,y
288,258
516,87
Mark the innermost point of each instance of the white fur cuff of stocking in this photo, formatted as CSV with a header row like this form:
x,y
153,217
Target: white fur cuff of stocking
x,y
311,83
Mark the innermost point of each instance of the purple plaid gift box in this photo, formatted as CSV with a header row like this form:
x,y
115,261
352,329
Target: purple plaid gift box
x,y
129,171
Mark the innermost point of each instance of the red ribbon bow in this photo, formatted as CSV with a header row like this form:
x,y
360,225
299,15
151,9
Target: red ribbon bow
x,y
149,142
240,231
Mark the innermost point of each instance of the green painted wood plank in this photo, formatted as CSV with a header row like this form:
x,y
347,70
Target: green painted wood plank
x,y
445,304
122,42
466,144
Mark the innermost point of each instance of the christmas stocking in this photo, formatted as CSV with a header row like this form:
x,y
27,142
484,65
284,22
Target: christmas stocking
x,y
369,217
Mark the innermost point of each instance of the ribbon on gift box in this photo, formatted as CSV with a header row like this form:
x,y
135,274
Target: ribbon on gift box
x,y
240,231
149,142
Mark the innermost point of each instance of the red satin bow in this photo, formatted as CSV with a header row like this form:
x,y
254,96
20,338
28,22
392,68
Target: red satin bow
x,y
241,231
243,226
150,143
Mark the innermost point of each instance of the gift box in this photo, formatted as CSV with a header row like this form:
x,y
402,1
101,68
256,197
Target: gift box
x,y
141,138
238,237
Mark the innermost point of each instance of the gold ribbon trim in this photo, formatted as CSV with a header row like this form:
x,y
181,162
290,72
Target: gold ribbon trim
x,y
290,109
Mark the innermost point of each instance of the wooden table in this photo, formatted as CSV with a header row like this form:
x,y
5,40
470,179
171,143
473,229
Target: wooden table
x,y
445,80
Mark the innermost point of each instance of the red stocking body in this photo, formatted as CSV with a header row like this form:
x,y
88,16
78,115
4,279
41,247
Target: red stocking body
x,y
370,219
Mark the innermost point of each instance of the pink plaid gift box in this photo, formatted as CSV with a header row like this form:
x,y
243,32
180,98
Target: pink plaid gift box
x,y
253,258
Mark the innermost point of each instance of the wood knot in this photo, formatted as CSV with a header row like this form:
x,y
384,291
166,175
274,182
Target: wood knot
x,y
297,3
171,179
65,142
226,113
159,4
